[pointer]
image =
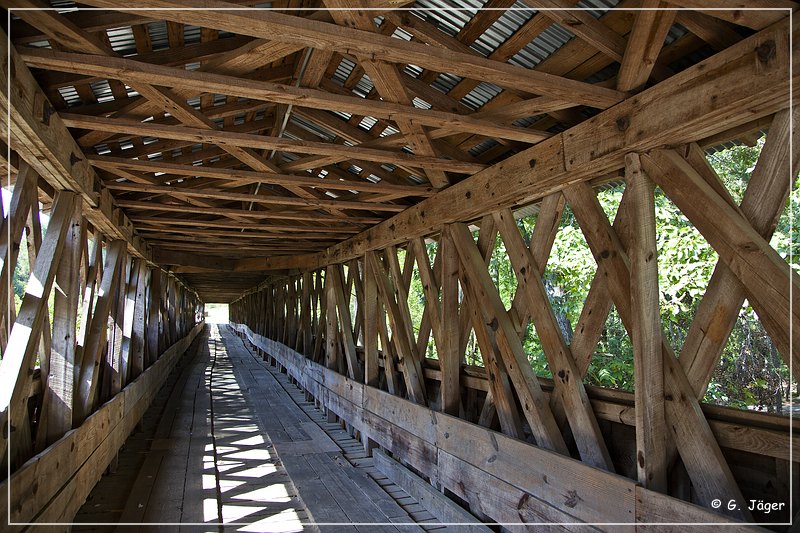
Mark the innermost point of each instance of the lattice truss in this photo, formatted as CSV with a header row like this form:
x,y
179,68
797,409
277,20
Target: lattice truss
x,y
354,318
308,146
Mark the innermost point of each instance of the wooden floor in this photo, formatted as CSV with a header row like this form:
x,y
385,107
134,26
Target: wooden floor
x,y
231,441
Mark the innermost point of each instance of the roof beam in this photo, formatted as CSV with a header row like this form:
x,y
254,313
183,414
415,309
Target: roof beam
x,y
226,138
113,164
216,194
132,72
42,139
584,25
224,211
342,227
292,29
758,13
389,85
746,84
644,44
165,233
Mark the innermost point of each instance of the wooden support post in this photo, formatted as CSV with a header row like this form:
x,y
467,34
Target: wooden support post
x,y
306,321
57,400
387,351
699,450
395,300
345,323
115,334
171,327
132,363
432,314
17,364
154,316
96,333
651,433
371,368
450,355
34,238
331,326
500,394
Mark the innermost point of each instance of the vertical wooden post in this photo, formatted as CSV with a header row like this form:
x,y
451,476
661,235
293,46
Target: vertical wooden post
x,y
450,355
116,327
18,360
154,316
128,366
651,434
331,328
34,236
345,322
57,400
96,333
306,321
371,368
137,333
171,301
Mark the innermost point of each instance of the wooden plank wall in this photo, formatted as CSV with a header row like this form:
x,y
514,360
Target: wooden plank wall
x,y
348,329
95,334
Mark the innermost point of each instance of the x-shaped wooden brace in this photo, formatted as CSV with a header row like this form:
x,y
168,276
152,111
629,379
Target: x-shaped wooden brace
x,y
687,180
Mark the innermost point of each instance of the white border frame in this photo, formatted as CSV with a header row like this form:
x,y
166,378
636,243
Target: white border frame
x,y
789,261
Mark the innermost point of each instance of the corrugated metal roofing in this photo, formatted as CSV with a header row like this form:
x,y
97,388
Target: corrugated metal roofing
x,y
547,42
122,40
502,28
449,17
343,71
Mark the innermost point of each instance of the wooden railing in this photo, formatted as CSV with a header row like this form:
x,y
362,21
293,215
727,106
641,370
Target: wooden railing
x,y
506,479
52,486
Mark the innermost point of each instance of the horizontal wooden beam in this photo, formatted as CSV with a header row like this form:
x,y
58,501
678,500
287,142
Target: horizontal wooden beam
x,y
248,176
132,72
224,211
757,14
217,194
206,262
746,83
263,142
256,236
159,222
324,36
237,250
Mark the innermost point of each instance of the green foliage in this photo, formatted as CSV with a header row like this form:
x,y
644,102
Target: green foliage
x,y
21,273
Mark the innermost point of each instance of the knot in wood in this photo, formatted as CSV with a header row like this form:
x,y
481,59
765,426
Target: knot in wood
x,y
766,51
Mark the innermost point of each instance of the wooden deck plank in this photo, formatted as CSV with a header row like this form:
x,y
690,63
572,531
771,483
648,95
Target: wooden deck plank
x,y
236,440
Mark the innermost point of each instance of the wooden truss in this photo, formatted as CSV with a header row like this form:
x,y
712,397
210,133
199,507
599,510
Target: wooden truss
x,y
305,165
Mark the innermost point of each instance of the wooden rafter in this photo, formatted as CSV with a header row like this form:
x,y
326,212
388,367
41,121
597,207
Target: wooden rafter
x,y
53,153
244,140
133,71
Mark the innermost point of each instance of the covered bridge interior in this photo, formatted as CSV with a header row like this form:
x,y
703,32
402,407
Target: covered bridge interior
x,y
378,190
